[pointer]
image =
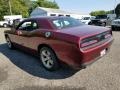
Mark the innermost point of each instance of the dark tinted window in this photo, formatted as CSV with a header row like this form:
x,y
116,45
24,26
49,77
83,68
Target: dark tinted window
x,y
101,17
28,26
86,18
60,15
68,15
52,14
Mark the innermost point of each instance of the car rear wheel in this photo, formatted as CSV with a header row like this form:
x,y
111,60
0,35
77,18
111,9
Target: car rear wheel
x,y
48,59
9,43
4,25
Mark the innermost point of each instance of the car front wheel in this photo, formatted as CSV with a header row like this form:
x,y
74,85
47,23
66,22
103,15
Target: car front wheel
x,y
9,43
4,25
48,59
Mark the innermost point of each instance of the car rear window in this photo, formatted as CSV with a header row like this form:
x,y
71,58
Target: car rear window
x,y
65,22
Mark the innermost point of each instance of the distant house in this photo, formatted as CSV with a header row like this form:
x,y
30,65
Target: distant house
x,y
41,11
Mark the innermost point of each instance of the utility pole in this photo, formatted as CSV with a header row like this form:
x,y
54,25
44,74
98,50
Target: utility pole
x,y
10,7
114,6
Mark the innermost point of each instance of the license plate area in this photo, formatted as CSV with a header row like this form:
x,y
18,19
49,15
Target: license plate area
x,y
103,52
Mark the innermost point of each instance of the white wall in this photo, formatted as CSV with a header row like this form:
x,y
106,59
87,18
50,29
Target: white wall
x,y
78,16
12,17
40,12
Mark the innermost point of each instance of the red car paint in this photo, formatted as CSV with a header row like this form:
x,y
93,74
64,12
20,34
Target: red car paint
x,y
66,43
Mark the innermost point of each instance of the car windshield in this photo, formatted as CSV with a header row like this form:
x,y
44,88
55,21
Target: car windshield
x,y
86,18
101,17
119,17
67,22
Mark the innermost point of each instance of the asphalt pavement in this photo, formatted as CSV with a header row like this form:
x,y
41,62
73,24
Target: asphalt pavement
x,y
21,71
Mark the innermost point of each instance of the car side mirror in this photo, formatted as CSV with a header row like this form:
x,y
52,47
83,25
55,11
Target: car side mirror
x,y
15,24
108,18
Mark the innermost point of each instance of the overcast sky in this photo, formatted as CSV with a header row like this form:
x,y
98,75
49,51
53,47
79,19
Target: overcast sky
x,y
86,6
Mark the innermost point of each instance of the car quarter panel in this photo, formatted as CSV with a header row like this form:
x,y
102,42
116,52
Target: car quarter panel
x,y
65,46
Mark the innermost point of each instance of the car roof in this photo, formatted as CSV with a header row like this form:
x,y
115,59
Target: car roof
x,y
47,17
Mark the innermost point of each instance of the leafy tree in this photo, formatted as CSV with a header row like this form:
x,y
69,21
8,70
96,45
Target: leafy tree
x,y
117,10
17,6
110,12
101,12
23,7
3,9
95,13
43,3
47,4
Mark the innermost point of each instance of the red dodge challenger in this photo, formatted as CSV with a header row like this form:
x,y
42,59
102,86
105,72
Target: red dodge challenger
x,y
60,39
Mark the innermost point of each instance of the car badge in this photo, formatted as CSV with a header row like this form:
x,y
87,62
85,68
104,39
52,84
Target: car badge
x,y
47,34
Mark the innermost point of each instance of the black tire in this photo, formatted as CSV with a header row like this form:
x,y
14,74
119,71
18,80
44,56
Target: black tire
x,y
50,58
113,28
5,25
90,23
9,43
117,29
104,24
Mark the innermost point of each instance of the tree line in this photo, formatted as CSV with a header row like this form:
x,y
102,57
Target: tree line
x,y
117,10
23,7
101,12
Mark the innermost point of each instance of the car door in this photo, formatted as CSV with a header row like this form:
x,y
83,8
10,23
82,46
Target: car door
x,y
24,32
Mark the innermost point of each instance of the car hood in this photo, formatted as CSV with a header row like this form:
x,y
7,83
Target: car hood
x,y
3,21
84,30
84,20
116,20
98,19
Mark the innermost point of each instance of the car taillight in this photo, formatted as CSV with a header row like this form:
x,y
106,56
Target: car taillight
x,y
107,36
95,39
88,43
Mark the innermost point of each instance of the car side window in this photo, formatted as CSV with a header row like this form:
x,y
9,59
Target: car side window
x,y
34,25
66,23
58,23
28,26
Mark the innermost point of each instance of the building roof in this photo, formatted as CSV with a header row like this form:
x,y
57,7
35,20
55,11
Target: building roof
x,y
54,10
41,11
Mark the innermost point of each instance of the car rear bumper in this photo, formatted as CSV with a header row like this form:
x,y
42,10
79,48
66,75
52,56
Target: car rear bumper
x,y
92,55
84,65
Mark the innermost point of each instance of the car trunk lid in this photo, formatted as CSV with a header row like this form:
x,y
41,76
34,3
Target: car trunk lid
x,y
84,31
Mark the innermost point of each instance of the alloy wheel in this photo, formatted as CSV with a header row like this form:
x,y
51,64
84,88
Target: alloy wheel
x,y
9,42
47,59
